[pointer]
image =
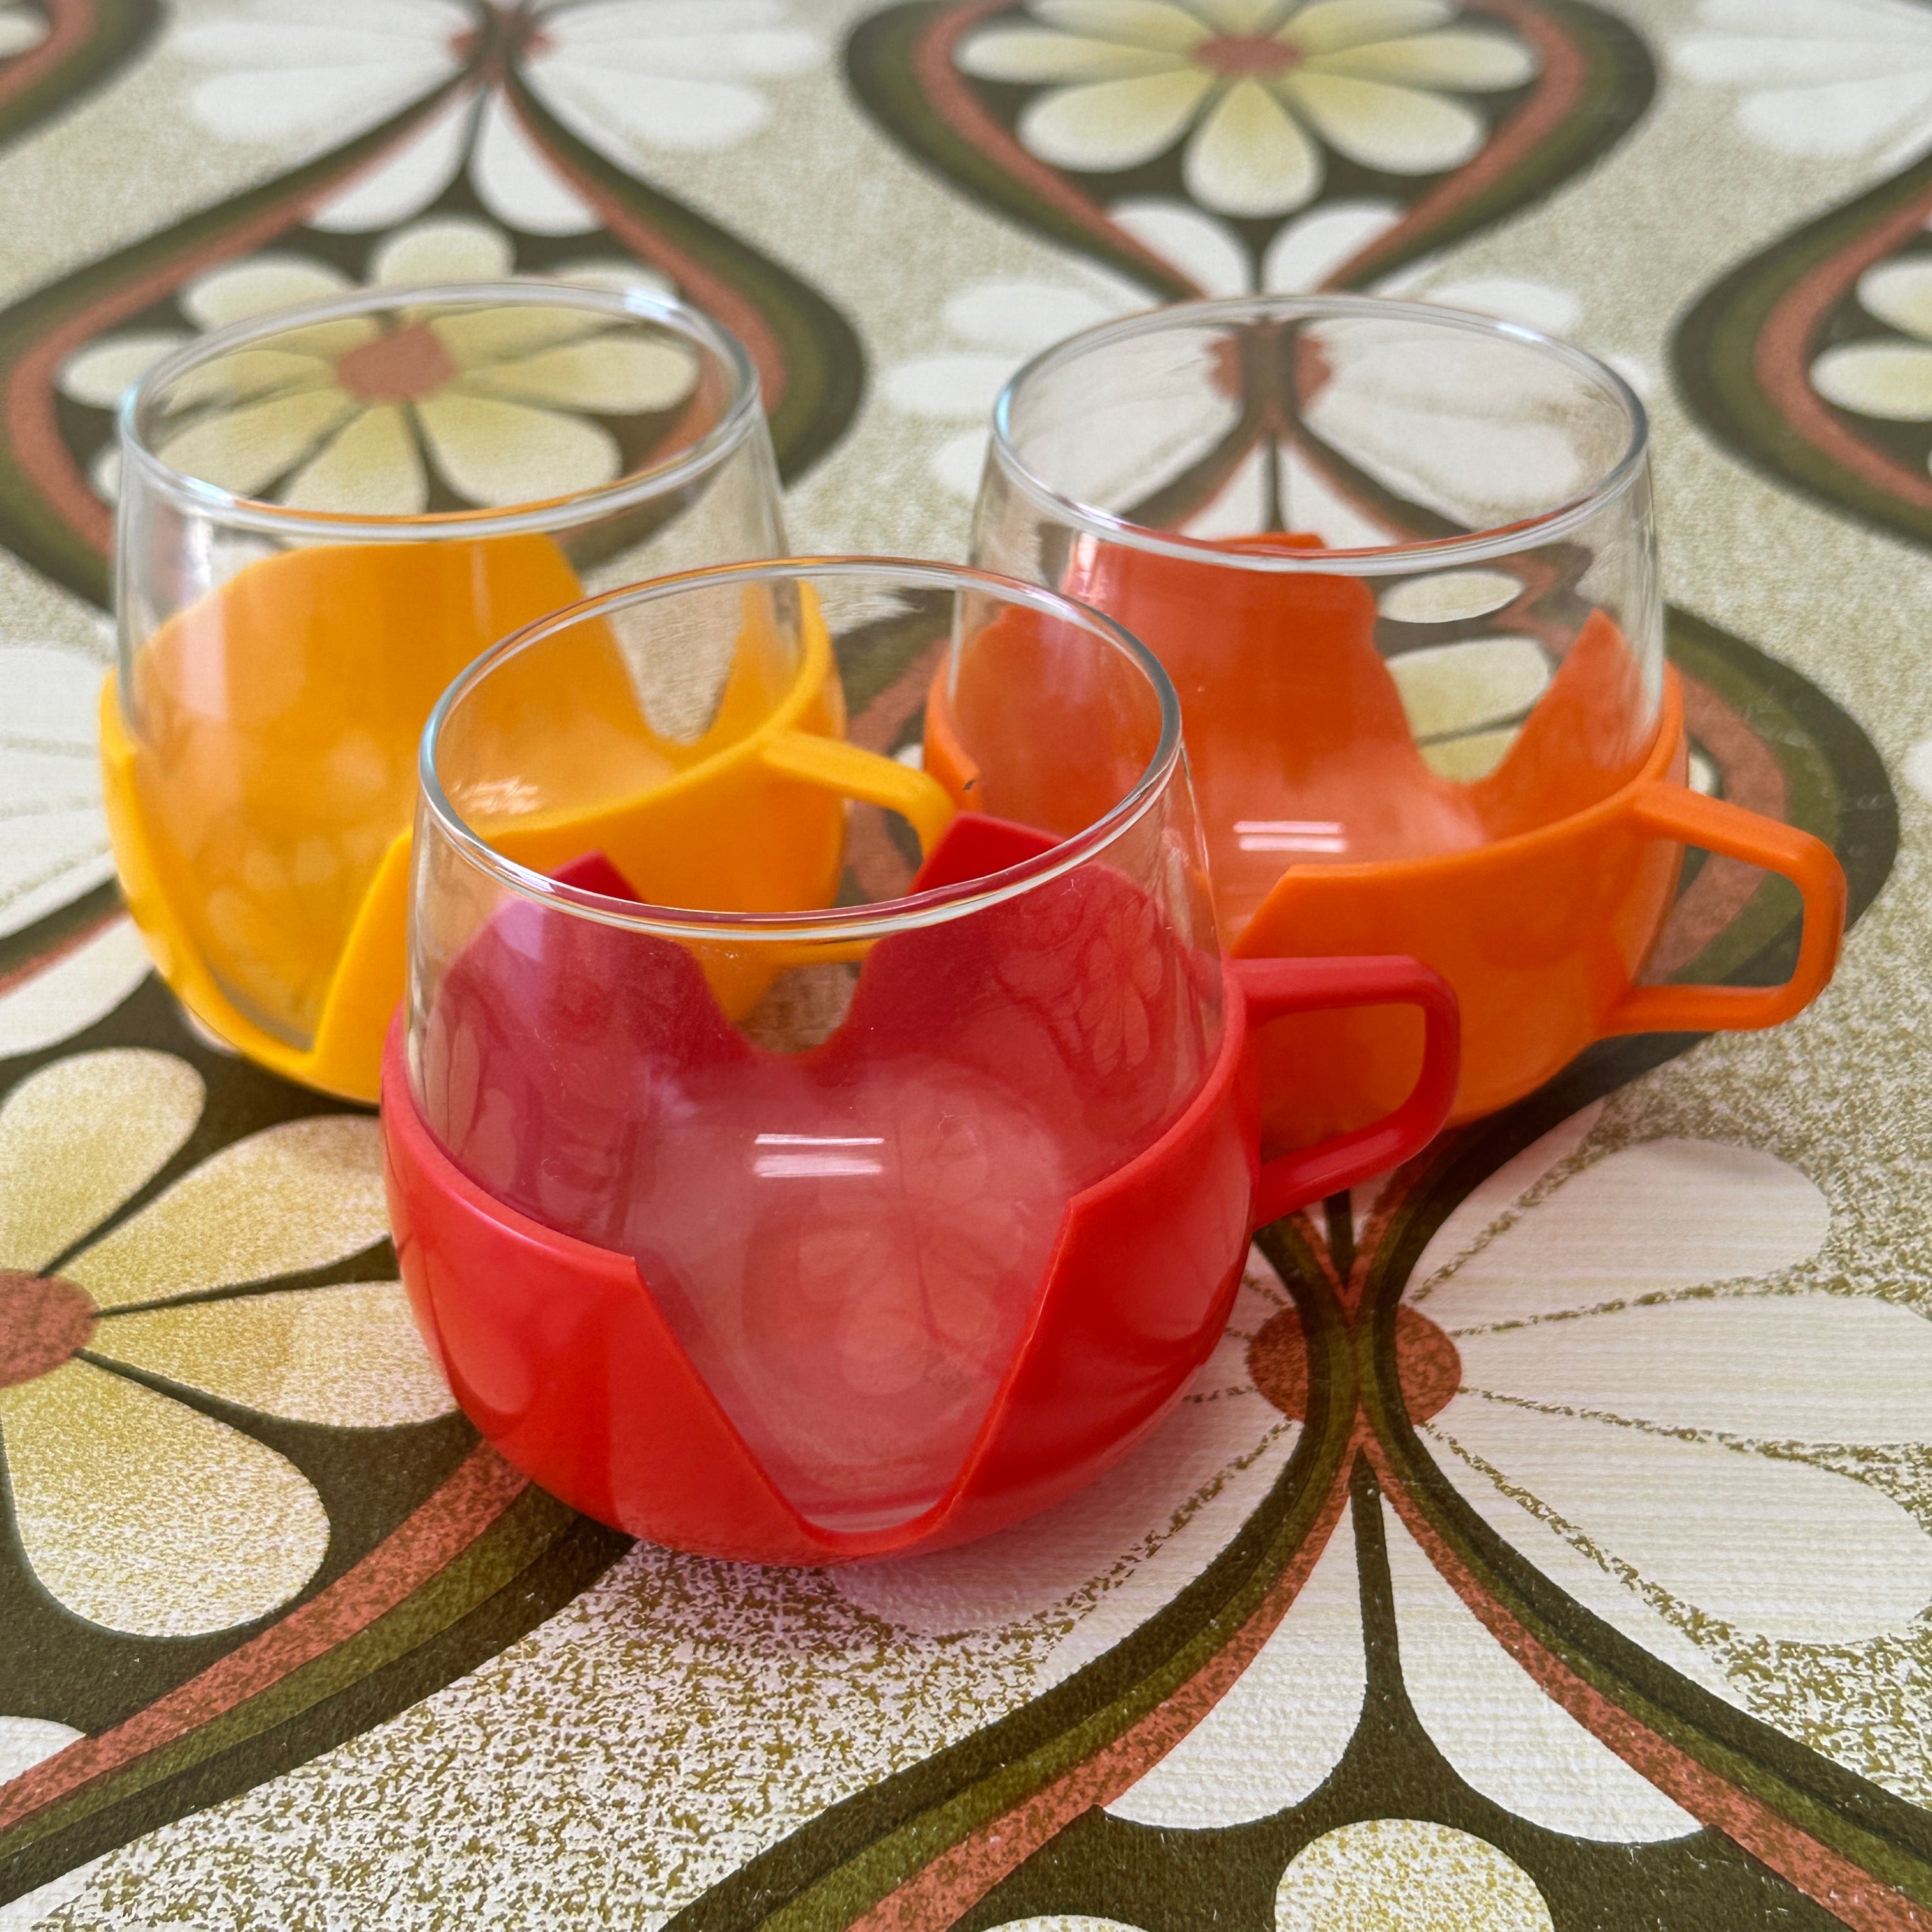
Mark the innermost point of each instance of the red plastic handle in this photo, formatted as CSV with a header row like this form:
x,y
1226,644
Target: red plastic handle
x,y
1274,987
1674,812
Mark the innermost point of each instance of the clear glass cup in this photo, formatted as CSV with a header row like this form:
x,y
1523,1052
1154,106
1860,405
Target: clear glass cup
x,y
938,1195
324,514
1399,560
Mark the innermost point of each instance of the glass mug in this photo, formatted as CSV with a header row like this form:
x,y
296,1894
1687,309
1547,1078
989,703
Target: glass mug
x,y
936,1198
1400,563
324,514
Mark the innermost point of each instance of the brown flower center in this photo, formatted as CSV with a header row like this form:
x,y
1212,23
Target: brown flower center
x,y
1427,1366
44,1320
1247,54
396,368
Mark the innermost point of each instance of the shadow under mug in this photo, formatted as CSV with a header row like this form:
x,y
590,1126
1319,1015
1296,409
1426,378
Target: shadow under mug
x,y
1544,936
772,757
931,1266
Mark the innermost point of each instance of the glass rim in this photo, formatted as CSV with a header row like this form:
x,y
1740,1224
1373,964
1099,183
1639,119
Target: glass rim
x,y
540,516
939,906
1370,560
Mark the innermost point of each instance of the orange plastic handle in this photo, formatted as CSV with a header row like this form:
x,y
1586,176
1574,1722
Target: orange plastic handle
x,y
1275,987
1668,810
834,765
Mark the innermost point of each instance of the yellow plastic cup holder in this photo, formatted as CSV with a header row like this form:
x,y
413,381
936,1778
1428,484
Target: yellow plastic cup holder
x,y
750,816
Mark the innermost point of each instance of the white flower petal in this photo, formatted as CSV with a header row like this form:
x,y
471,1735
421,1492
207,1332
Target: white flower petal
x,y
79,989
1283,1725
1310,502
1490,1200
958,463
404,180
1328,25
1890,380
103,474
21,29
81,1135
370,468
1249,156
1779,1547
244,375
498,453
701,47
1402,1875
478,337
1475,684
1449,597
519,183
25,1742
283,103
647,111
1026,316
34,782
1849,118
1499,1730
1759,43
1399,130
1307,253
948,387
256,285
1150,1586
1239,507
1021,1571
1646,1219
610,375
1602,1594
1804,1368
1207,251
141,1515
49,859
103,372
1556,311
1039,54
1107,124
1900,293
245,450
53,696
292,1197
348,1357
446,248
1138,23
1459,58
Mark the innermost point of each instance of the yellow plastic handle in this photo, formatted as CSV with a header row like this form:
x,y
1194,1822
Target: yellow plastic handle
x,y
834,765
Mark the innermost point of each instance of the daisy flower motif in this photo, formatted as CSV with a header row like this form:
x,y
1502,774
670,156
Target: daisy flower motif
x,y
1601,1355
136,1508
649,75
1819,77
501,403
1887,376
1257,89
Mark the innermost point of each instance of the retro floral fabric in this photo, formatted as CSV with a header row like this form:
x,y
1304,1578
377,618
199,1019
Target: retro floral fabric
x,y
1548,1542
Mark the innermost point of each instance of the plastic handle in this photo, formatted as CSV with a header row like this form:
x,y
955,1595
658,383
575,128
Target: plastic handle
x,y
836,765
1275,987
1674,812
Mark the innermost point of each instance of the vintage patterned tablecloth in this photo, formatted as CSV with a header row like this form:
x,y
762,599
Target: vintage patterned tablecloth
x,y
1550,1542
